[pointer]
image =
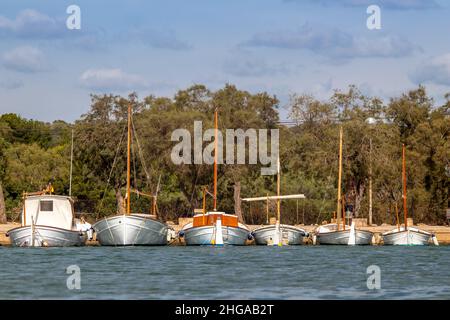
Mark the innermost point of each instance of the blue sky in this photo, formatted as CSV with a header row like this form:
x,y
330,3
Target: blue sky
x,y
157,47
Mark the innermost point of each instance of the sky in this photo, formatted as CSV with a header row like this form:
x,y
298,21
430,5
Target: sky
x,y
284,47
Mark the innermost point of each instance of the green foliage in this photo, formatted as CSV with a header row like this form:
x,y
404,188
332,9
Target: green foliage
x,y
33,153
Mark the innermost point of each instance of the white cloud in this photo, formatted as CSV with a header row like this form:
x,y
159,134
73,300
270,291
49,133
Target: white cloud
x,y
436,71
25,59
385,4
160,39
111,79
32,24
334,43
11,84
250,66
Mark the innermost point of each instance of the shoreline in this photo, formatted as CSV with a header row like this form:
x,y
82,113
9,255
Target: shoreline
x,y
442,232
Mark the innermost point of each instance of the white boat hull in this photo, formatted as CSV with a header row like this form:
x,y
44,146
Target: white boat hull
x,y
407,237
131,230
45,236
290,235
203,236
342,237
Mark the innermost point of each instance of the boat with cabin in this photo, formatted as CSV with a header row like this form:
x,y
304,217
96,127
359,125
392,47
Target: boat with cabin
x,y
48,220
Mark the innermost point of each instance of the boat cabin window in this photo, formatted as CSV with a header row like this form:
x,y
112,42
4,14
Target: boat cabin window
x,y
46,205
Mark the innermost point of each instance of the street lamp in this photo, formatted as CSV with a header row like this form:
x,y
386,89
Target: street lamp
x,y
371,121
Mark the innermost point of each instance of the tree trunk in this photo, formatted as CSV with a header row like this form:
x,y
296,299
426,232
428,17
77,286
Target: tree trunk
x,y
359,194
2,206
120,202
237,201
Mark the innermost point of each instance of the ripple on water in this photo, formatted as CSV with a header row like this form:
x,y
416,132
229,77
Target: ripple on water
x,y
304,272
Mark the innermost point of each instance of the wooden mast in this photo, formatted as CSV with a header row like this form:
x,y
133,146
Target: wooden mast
x,y
398,219
405,208
204,205
215,158
338,210
278,190
128,161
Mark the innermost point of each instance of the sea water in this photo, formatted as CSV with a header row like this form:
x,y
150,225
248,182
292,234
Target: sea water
x,y
252,272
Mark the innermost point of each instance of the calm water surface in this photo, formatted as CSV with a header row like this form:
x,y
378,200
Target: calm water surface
x,y
304,272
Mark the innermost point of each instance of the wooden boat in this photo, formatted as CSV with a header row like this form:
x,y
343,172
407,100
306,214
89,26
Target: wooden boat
x,y
407,235
410,236
47,221
335,233
278,234
332,235
131,229
214,227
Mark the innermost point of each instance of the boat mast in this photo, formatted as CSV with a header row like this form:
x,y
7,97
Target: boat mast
x,y
71,167
278,190
204,204
398,219
215,157
405,208
338,210
128,161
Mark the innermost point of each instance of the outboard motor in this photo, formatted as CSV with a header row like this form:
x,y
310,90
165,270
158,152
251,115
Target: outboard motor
x,y
251,236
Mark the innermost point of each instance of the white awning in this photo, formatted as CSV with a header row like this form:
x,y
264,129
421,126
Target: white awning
x,y
291,196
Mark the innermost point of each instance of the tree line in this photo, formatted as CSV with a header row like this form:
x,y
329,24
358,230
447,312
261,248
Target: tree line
x,y
35,153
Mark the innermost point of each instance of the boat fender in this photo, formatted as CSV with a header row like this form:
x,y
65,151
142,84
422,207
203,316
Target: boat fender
x,y
181,234
435,240
90,233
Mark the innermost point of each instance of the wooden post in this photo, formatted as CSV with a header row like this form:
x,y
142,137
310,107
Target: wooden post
x,y
237,201
370,182
2,206
338,211
405,208
303,212
278,192
155,198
